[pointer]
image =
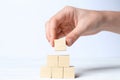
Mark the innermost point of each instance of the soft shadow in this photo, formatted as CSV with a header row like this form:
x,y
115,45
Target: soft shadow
x,y
82,72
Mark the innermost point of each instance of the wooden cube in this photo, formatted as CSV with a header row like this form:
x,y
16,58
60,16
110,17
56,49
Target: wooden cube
x,y
52,61
69,72
57,72
45,72
64,61
60,44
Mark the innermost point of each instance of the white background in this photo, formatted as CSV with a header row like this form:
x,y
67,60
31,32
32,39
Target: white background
x,y
24,48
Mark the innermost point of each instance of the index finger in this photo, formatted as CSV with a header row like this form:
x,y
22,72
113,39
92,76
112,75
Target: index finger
x,y
54,23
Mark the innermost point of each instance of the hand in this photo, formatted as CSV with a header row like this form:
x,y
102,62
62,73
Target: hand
x,y
74,22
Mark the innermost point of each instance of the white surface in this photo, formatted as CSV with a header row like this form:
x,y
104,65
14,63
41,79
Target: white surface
x,y
24,48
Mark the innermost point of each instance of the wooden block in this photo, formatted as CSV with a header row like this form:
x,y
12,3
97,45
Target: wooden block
x,y
45,72
57,72
69,72
52,61
60,44
64,61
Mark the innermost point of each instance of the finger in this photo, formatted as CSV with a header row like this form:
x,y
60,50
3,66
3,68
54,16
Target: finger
x,y
54,23
74,35
47,31
52,30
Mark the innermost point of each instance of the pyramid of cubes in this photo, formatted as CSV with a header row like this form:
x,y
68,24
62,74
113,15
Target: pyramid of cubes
x,y
58,66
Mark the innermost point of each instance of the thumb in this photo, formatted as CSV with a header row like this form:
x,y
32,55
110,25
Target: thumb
x,y
74,35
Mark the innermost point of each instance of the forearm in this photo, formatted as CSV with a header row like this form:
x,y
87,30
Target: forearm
x,y
111,21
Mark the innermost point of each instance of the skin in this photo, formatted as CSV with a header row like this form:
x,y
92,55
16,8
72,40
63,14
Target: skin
x,y
71,22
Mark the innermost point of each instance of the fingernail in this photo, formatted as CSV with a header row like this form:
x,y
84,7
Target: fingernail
x,y
69,42
51,42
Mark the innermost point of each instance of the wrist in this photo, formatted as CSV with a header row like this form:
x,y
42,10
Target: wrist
x,y
111,21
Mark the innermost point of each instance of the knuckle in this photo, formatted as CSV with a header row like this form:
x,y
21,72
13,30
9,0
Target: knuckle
x,y
68,7
53,22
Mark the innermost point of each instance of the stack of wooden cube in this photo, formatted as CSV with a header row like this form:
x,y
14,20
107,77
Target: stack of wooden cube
x,y
58,66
